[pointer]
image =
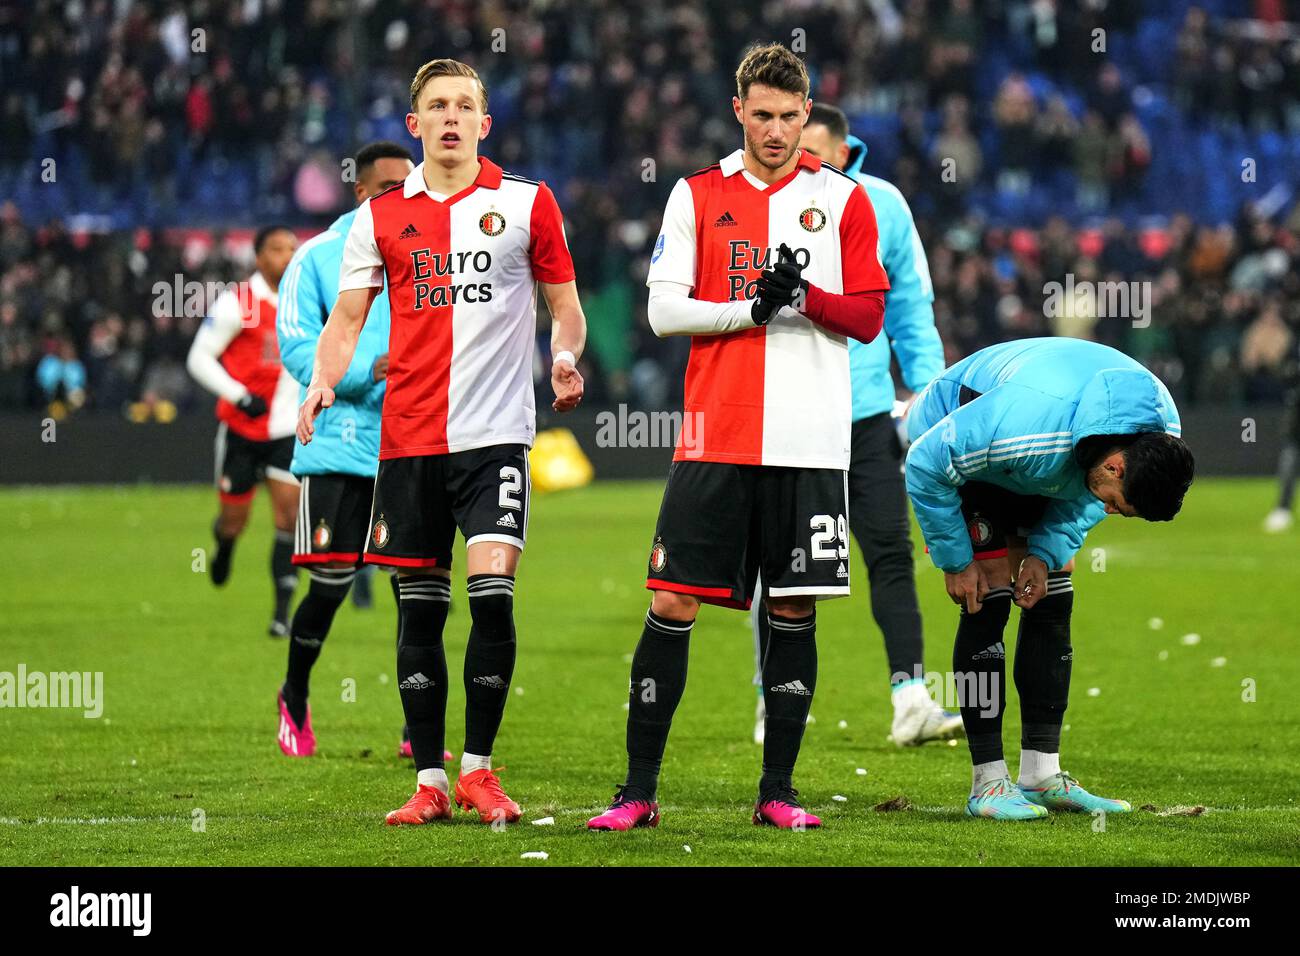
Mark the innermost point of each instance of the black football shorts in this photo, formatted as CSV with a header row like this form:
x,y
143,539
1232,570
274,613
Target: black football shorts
x,y
421,501
719,524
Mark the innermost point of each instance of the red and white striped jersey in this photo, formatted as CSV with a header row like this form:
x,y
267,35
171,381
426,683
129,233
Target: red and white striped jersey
x,y
777,394
462,273
243,329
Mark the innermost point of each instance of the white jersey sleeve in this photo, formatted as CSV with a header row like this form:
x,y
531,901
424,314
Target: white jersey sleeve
x,y
362,266
218,330
673,259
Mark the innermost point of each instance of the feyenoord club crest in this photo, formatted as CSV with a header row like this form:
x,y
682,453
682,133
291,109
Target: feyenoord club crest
x,y
380,535
492,223
812,219
320,538
658,557
980,532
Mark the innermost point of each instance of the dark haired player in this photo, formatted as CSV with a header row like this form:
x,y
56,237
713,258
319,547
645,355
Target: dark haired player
x,y
337,469
768,383
235,356
1017,452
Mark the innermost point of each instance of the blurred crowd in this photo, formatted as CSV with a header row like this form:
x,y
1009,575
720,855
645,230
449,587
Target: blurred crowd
x,y
1035,140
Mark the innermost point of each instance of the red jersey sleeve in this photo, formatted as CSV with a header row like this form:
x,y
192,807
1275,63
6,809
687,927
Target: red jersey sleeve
x,y
860,246
549,250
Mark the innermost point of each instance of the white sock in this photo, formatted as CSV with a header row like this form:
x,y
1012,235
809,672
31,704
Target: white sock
x,y
982,774
1036,766
909,694
433,777
471,762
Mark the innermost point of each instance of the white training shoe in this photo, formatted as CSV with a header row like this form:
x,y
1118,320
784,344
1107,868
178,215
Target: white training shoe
x,y
1278,520
917,718
760,720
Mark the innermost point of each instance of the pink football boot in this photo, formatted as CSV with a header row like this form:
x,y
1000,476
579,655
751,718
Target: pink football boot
x,y
295,741
626,813
783,810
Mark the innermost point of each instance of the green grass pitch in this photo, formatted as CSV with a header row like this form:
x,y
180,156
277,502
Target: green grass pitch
x,y
102,580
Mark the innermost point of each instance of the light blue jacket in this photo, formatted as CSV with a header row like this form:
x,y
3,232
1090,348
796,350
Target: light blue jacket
x,y
909,313
1039,398
347,433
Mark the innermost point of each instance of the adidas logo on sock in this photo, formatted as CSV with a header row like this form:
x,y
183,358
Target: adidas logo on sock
x,y
410,232
726,219
416,681
993,651
507,521
841,571
792,687
495,681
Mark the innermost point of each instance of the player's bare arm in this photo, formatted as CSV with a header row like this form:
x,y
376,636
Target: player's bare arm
x,y
568,336
338,342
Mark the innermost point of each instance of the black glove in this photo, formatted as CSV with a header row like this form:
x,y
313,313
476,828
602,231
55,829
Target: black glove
x,y
778,286
252,405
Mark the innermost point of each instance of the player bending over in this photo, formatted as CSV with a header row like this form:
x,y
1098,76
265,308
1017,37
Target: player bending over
x,y
463,246
1018,451
767,386
236,357
337,469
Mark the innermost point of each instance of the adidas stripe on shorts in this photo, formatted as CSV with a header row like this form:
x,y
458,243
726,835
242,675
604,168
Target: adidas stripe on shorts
x,y
421,501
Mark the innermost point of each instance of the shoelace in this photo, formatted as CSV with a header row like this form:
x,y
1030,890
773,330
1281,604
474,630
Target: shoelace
x,y
788,797
492,784
621,799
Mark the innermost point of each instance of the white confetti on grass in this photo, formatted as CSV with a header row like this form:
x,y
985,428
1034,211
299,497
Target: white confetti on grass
x,y
686,847
840,798
544,822
1190,640
1218,662
535,855
1094,691
519,692
1162,656
843,725
1156,623
861,771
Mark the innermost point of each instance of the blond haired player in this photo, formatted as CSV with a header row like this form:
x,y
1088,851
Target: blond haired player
x,y
464,246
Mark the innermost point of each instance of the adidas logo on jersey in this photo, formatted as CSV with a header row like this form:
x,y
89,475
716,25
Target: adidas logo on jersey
x,y
410,232
494,681
726,219
507,521
993,651
416,681
841,571
792,687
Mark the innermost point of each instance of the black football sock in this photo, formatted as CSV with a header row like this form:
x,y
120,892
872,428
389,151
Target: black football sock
x,y
422,665
789,680
221,560
1042,667
658,679
979,669
1288,463
489,658
311,625
283,573
397,602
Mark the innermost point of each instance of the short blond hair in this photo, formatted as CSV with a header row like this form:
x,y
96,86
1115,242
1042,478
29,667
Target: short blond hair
x,y
446,67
